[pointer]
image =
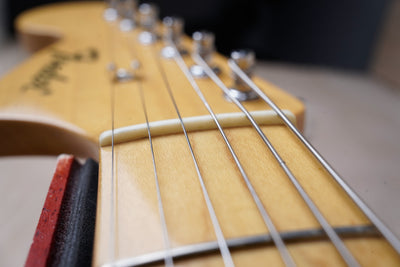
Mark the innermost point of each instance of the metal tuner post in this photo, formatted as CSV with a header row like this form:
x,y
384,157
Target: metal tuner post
x,y
173,31
148,16
127,12
204,47
240,90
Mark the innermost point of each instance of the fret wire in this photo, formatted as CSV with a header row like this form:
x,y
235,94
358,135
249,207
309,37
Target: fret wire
x,y
168,259
286,257
385,231
226,255
337,242
198,249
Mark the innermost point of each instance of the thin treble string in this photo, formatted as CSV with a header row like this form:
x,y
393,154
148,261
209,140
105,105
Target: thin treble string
x,y
112,223
111,48
267,219
168,256
168,259
367,211
226,255
341,248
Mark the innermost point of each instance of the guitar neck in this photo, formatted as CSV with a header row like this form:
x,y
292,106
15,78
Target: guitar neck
x,y
185,176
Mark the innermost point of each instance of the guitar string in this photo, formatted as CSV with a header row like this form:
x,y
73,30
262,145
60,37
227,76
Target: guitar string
x,y
337,242
359,202
383,229
129,40
111,47
226,255
168,258
286,257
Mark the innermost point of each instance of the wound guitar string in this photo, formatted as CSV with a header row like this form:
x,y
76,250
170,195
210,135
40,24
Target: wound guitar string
x,y
267,220
168,259
337,242
223,244
226,255
391,238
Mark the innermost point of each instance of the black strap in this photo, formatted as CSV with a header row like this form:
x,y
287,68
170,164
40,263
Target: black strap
x,y
73,241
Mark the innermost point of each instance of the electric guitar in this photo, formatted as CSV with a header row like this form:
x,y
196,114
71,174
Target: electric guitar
x,y
188,174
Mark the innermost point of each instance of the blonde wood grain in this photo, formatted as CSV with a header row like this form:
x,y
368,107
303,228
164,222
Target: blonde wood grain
x,y
186,214
78,92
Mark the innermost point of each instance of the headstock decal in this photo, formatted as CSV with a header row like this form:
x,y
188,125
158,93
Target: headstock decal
x,y
52,70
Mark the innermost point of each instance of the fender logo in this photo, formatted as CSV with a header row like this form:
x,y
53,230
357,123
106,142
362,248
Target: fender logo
x,y
51,71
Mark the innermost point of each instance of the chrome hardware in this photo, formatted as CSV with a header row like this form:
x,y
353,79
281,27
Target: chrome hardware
x,y
123,9
148,14
127,11
126,25
240,90
204,47
111,13
123,74
173,31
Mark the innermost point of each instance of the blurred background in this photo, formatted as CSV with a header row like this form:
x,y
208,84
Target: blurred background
x,y
341,34
342,58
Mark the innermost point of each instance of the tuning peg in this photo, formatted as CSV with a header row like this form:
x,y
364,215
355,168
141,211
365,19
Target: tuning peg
x,y
245,59
203,46
127,11
148,15
173,31
123,9
111,13
123,74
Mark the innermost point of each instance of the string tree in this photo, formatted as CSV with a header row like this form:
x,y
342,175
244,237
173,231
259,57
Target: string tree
x,y
240,90
148,17
173,31
203,45
123,74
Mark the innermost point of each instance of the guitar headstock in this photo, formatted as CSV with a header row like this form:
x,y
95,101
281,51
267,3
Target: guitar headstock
x,y
68,82
177,177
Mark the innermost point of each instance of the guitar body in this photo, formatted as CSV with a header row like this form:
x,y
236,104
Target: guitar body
x,y
63,98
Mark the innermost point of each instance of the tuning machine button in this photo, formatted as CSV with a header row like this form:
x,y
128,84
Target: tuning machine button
x,y
203,45
148,15
245,59
173,31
